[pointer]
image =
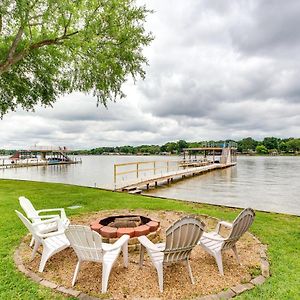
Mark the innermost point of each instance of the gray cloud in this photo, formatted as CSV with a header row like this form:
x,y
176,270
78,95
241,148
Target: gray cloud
x,y
268,27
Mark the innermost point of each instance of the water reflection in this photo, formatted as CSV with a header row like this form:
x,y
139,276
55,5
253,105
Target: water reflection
x,y
265,183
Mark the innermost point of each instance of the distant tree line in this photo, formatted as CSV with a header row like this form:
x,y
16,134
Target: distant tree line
x,y
7,152
269,145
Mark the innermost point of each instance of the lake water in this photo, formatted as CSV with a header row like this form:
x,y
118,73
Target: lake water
x,y
264,183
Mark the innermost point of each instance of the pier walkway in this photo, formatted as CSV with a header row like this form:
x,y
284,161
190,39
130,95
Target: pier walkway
x,y
136,176
136,186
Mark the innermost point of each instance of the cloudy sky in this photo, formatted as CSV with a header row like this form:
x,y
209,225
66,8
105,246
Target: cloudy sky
x,y
217,69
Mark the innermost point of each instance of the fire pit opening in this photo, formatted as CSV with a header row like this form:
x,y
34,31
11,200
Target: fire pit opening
x,y
125,221
113,227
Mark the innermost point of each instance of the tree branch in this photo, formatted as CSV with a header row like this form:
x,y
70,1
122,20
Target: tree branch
x,y
15,43
52,41
67,25
92,14
35,17
16,58
35,24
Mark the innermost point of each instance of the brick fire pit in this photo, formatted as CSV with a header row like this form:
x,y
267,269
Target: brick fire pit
x,y
113,227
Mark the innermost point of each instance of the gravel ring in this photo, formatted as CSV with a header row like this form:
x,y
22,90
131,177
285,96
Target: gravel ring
x,y
230,292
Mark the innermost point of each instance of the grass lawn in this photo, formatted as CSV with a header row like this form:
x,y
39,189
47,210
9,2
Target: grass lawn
x,y
280,232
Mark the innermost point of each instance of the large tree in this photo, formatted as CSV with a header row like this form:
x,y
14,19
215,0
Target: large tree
x,y
181,144
247,144
271,142
293,145
52,47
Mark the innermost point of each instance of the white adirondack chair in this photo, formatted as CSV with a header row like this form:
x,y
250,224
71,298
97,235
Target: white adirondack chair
x,y
88,246
214,243
35,216
52,242
181,238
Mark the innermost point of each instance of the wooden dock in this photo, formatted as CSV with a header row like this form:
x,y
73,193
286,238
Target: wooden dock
x,y
136,186
37,156
137,176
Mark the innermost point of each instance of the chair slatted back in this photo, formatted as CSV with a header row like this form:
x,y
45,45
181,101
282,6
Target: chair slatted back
x,y
239,226
181,238
29,226
86,242
29,209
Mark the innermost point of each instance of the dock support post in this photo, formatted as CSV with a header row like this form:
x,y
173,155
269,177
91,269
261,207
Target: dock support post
x,y
137,170
43,156
115,174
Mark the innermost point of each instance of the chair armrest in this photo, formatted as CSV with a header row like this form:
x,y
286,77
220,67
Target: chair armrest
x,y
226,224
116,245
56,219
223,223
45,217
50,209
50,234
211,238
62,211
148,244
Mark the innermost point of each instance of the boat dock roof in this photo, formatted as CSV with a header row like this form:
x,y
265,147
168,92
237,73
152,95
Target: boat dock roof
x,y
47,149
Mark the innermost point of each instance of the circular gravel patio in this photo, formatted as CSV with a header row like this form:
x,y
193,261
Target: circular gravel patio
x,y
136,283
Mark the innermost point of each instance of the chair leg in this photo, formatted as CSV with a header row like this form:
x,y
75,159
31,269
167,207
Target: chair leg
x,y
190,271
125,254
218,257
76,272
106,268
142,253
45,256
35,249
31,242
160,274
236,254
